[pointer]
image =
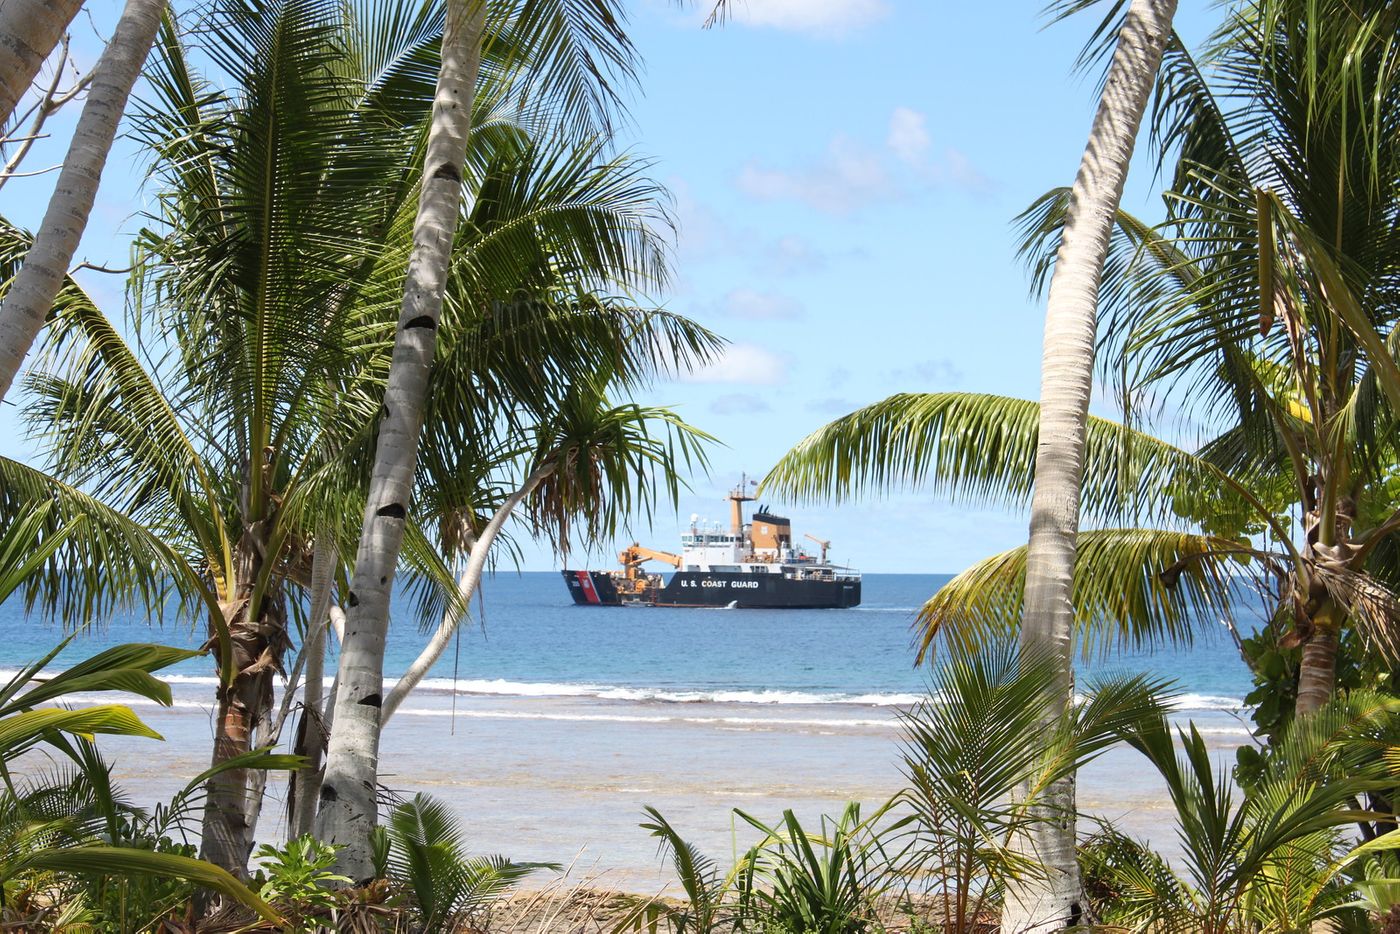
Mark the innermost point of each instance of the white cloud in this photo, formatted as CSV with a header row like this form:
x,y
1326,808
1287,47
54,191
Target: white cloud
x,y
851,175
759,306
908,137
705,235
702,233
742,363
740,403
958,169
848,176
793,254
832,405
826,18
939,373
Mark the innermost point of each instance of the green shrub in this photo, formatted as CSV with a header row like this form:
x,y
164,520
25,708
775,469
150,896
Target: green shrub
x,y
798,882
297,876
422,852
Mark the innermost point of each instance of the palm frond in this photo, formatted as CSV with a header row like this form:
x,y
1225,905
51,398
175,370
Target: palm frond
x,y
127,861
576,58
704,885
427,853
981,449
106,561
1133,588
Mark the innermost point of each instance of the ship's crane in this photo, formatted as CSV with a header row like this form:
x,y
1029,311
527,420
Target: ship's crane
x,y
634,556
825,544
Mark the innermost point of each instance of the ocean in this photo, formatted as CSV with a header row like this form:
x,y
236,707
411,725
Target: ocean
x,y
548,726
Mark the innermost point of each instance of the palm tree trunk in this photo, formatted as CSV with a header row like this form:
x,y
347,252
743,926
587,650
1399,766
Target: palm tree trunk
x,y
347,810
29,31
257,639
467,583
311,734
31,296
309,787
1053,900
225,825
1317,671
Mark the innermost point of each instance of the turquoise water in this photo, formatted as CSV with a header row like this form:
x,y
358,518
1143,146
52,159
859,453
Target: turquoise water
x,y
534,642
566,721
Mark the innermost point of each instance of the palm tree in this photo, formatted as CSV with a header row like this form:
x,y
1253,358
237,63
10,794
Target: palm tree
x,y
223,463
348,808
272,194
348,790
1268,859
32,293
1283,209
70,826
1269,291
29,31
423,851
977,737
1067,366
1179,539
594,464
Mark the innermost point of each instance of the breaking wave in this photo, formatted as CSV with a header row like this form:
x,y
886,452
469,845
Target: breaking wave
x,y
667,695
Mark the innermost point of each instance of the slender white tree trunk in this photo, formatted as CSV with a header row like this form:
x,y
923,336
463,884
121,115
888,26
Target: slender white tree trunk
x,y
467,583
31,296
1053,900
29,31
347,809
309,780
312,733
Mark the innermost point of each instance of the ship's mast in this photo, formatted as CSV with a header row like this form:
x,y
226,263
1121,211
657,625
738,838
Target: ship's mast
x,y
737,497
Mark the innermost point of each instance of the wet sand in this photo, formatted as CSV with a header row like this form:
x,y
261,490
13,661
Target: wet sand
x,y
564,779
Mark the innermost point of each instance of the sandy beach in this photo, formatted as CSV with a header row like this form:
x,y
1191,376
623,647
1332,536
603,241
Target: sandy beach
x,y
566,722
564,779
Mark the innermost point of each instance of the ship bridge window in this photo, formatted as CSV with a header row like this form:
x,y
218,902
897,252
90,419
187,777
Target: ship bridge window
x,y
725,568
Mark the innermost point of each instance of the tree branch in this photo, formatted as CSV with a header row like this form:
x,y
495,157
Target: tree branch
x,y
42,110
466,586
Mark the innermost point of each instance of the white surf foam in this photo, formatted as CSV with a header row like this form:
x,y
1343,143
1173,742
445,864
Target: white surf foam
x,y
133,700
1207,702
502,687
752,722
506,688
1239,731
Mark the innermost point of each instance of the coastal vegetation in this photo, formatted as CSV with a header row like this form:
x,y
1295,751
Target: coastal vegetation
x,y
1264,294
224,469
389,309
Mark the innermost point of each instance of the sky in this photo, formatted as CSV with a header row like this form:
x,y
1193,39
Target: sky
x,y
845,175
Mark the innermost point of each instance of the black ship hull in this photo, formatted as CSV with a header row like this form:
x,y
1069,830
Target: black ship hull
x,y
713,589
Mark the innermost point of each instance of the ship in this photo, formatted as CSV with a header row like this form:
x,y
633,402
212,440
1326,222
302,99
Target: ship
x,y
752,564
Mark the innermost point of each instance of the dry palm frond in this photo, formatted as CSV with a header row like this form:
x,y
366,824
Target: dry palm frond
x,y
1372,608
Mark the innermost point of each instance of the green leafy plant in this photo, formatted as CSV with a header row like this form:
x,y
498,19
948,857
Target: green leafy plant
x,y
422,851
73,823
299,875
166,828
1129,884
705,909
818,883
1270,858
124,902
970,747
